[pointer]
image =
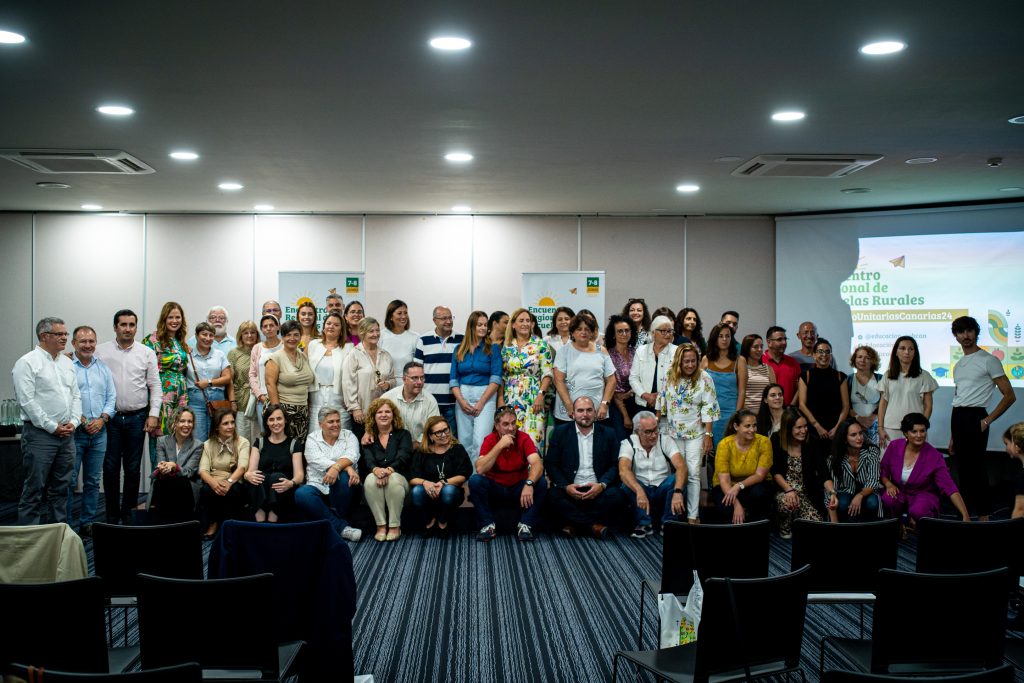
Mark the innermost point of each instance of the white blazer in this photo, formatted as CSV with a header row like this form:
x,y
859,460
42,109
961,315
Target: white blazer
x,y
316,353
641,373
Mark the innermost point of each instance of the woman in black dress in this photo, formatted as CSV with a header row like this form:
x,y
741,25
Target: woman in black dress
x,y
824,398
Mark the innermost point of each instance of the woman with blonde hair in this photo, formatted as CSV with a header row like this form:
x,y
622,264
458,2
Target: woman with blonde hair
x,y
862,387
475,378
366,374
526,364
384,462
240,360
690,407
171,348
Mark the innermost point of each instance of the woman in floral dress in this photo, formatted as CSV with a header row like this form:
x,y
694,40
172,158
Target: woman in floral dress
x,y
526,375
168,342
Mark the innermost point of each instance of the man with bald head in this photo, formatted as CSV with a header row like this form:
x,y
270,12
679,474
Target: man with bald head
x,y
582,464
807,333
434,352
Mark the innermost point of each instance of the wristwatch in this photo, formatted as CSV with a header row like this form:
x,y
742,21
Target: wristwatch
x,y
529,482
677,491
741,485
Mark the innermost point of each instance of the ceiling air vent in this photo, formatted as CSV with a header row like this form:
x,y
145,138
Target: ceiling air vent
x,y
805,165
77,161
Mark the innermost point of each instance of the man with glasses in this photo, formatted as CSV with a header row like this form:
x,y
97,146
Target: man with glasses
x,y
218,317
46,387
271,307
137,408
414,405
653,474
787,368
508,470
434,352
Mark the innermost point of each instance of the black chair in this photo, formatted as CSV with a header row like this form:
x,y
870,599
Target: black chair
x,y
912,610
224,624
1002,674
839,573
122,552
183,673
738,551
58,626
947,546
748,628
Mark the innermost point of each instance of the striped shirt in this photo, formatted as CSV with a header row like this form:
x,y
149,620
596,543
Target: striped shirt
x,y
867,475
435,355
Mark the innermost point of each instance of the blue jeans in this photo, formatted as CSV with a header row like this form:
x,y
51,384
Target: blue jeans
x,y
197,403
47,459
125,436
660,498
443,506
484,492
90,450
474,429
868,507
333,507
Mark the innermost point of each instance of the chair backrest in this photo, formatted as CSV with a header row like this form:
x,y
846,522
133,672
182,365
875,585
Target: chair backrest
x,y
220,623
122,552
1002,674
956,547
739,551
54,625
845,558
770,613
183,673
938,622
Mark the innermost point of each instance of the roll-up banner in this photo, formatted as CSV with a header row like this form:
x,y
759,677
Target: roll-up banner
x,y
296,287
543,293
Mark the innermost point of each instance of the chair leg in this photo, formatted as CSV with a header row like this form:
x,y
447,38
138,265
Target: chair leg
x,y
640,634
126,627
615,657
861,636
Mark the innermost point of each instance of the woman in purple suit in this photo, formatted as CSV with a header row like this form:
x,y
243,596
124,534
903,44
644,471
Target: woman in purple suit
x,y
915,475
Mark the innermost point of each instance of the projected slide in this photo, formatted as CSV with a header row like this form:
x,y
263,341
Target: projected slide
x,y
918,284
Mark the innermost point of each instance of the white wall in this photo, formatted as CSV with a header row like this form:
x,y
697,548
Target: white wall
x,y
83,267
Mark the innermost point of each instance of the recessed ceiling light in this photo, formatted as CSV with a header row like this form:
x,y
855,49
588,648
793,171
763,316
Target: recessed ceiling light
x,y
689,187
786,116
921,160
461,208
263,207
231,186
92,207
1019,120
183,155
450,43
729,159
45,185
883,47
11,38
459,157
856,190
1011,189
115,110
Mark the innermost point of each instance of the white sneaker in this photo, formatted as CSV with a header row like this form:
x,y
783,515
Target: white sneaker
x,y
352,534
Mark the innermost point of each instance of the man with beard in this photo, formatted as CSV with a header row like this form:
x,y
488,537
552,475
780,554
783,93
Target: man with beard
x,y
218,317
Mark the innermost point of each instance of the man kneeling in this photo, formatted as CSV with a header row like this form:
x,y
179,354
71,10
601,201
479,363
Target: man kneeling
x,y
508,469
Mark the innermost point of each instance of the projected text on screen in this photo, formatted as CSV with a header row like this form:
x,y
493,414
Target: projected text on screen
x,y
917,285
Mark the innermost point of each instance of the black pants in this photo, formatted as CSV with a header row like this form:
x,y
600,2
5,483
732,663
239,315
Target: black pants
x,y
173,500
264,497
969,447
598,510
756,501
218,508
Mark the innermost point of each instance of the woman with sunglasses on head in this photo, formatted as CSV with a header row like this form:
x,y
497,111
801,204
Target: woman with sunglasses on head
x,y
636,311
823,397
367,373
905,388
440,466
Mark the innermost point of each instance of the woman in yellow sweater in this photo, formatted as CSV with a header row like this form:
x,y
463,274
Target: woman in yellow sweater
x,y
742,465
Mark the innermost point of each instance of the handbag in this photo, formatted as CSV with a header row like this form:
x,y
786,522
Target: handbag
x,y
211,406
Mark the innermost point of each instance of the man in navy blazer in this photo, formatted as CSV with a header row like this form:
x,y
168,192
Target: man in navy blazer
x,y
582,464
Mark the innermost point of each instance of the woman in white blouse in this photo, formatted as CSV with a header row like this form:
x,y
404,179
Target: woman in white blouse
x,y
905,388
367,373
326,356
651,364
269,326
396,338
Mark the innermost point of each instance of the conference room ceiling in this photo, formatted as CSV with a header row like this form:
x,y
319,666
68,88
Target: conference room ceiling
x,y
567,107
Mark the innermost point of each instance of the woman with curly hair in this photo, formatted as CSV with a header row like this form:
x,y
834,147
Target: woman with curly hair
x,y
169,344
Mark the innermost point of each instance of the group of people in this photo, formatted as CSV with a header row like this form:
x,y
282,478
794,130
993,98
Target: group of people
x,y
651,414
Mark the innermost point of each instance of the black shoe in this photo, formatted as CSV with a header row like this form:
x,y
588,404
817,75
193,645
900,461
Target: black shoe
x,y
85,531
430,531
126,520
444,532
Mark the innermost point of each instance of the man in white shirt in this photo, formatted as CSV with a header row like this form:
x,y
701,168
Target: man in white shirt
x,y
218,317
582,464
653,474
414,405
51,407
331,458
139,395
975,376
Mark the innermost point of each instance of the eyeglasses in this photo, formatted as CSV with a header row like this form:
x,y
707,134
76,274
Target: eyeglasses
x,y
441,432
444,317
779,339
626,331
822,352
416,379
637,301
57,334
648,432
668,331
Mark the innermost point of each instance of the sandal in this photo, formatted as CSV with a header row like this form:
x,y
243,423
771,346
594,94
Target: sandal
x,y
394,534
